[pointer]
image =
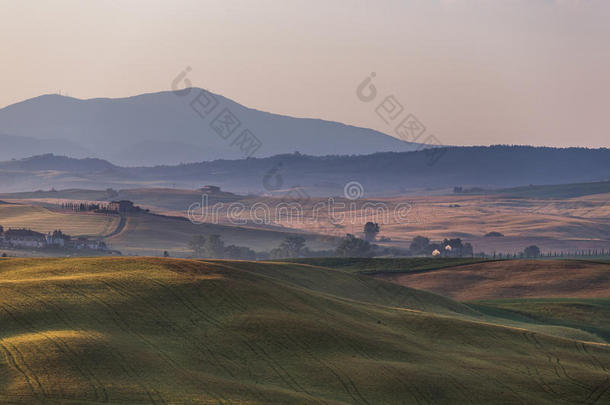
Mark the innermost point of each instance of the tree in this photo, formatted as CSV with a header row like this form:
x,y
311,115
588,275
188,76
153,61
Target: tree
x,y
351,246
165,253
277,253
420,245
494,234
292,246
239,253
214,247
58,234
532,251
196,244
467,250
371,229
111,193
457,248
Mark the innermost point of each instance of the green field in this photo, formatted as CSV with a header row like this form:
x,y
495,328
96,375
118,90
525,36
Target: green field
x,y
572,190
591,315
390,265
167,331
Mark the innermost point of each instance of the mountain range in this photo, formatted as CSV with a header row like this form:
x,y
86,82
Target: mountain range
x,y
173,127
388,173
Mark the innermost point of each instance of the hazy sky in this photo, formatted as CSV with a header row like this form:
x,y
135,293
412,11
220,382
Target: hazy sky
x,y
473,72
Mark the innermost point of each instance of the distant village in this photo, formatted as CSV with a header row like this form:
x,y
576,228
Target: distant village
x,y
28,239
57,240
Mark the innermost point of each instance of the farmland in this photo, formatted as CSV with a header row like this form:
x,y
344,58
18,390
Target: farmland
x,y
563,221
177,331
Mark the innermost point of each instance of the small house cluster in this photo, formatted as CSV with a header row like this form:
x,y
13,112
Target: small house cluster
x,y
122,206
113,207
28,239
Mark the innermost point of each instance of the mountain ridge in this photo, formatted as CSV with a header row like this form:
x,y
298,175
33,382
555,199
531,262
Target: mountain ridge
x,y
164,128
387,173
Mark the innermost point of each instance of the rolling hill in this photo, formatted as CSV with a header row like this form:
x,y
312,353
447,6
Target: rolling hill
x,y
148,234
373,266
512,279
592,315
44,220
572,190
555,225
157,331
136,131
19,147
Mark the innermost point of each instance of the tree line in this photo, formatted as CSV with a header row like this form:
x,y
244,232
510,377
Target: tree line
x,y
352,246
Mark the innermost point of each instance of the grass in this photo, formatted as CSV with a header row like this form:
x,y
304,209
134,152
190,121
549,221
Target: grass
x,y
591,315
555,225
571,190
125,331
160,198
513,279
390,265
145,234
68,194
44,220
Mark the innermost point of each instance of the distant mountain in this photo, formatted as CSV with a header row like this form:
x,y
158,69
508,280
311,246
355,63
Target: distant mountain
x,y
171,128
18,147
379,174
48,162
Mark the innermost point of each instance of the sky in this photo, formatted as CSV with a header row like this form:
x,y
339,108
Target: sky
x,y
473,72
